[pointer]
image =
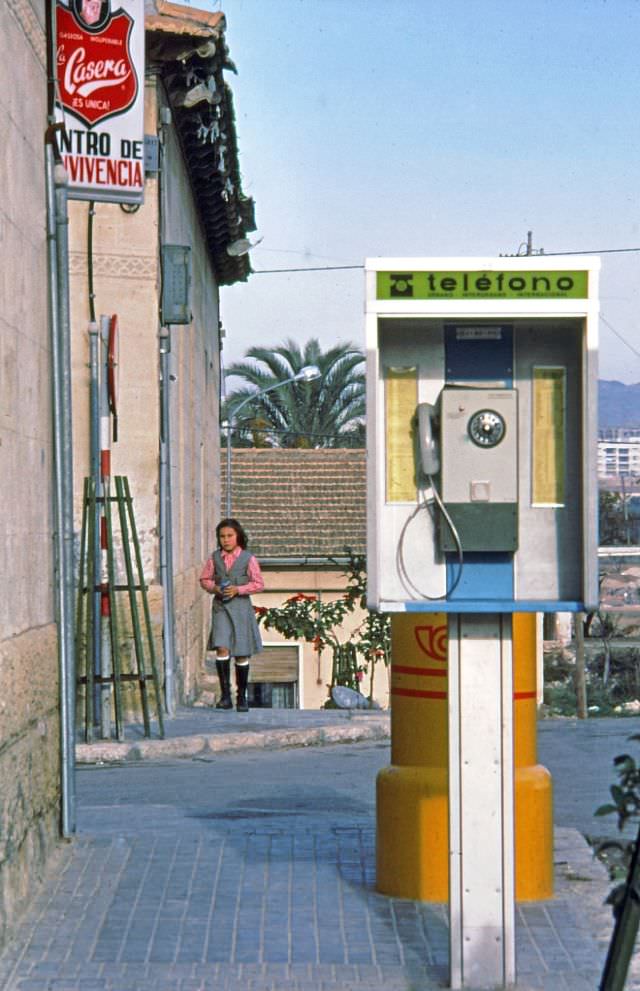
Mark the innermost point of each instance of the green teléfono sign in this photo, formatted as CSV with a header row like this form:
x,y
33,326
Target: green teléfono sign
x,y
483,285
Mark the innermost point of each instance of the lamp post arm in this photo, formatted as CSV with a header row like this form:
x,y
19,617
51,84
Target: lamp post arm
x,y
231,420
258,395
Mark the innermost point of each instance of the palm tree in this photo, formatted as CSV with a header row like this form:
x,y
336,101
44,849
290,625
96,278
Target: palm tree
x,y
328,412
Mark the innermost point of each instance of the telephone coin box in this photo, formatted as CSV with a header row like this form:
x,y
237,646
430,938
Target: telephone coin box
x,y
479,469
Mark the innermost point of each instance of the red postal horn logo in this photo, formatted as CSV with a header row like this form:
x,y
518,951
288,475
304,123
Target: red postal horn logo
x,y
432,640
96,75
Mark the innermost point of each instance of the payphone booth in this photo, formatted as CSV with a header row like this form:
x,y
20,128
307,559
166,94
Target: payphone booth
x,y
482,504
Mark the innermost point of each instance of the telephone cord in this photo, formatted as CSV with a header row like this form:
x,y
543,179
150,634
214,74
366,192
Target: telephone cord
x,y
402,568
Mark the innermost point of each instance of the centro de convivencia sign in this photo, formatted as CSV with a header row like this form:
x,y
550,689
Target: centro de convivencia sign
x,y
100,76
519,284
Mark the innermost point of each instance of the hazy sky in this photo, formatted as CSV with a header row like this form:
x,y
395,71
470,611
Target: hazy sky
x,y
432,127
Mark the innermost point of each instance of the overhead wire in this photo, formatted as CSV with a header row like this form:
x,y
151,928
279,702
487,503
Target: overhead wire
x,y
591,251
542,254
315,268
619,336
339,268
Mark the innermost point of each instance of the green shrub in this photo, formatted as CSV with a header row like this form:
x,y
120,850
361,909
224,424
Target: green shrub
x,y
560,699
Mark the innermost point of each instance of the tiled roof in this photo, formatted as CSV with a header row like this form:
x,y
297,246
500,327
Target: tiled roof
x,y
297,503
174,18
189,49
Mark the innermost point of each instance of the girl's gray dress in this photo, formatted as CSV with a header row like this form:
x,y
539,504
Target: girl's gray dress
x,y
233,623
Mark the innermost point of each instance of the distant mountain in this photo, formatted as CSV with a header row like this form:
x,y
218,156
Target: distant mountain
x,y
618,404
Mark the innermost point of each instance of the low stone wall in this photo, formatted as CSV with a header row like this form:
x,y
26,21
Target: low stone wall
x,y
29,767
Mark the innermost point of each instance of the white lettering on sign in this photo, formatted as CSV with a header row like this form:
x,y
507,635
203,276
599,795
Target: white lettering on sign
x,y
84,76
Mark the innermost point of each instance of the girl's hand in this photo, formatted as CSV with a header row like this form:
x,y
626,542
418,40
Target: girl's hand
x,y
230,591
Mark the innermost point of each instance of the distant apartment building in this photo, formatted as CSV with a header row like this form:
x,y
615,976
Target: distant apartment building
x,y
619,457
619,433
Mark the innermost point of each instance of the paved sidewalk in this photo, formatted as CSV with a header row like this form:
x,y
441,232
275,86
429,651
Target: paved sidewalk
x,y
153,898
269,909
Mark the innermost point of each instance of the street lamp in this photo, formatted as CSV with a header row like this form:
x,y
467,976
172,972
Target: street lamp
x,y
307,374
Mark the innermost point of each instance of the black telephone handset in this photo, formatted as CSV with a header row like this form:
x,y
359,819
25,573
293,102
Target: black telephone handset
x,y
428,447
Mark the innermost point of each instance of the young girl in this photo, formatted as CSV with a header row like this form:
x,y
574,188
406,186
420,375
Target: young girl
x,y
231,575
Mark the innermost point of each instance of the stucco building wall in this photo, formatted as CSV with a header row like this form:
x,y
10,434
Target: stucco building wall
x,y
127,281
29,725
195,363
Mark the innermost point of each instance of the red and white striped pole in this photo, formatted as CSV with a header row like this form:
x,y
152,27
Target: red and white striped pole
x,y
104,493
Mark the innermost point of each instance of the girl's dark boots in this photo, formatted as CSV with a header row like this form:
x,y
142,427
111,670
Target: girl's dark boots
x,y
224,677
242,678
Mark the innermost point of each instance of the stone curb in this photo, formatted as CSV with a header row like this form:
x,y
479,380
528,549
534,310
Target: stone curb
x,y
184,747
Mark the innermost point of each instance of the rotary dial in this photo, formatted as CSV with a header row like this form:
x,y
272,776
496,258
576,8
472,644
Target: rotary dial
x,y
486,428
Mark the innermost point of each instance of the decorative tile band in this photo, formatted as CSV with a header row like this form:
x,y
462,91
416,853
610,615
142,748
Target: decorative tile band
x,y
33,29
143,267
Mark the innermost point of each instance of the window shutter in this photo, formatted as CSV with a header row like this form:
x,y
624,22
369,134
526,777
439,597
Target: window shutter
x,y
276,663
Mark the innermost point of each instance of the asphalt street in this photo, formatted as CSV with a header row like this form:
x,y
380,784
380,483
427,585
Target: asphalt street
x,y
334,782
579,754
323,784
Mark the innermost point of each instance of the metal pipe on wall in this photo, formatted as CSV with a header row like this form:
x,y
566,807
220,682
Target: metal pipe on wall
x,y
66,471
166,525
59,319
166,516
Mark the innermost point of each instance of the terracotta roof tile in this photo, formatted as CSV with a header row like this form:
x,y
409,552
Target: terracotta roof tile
x,y
175,18
297,503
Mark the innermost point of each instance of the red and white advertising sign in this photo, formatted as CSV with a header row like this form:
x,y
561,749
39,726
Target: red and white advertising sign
x,y
101,98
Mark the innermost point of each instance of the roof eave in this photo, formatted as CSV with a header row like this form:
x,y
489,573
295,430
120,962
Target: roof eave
x,y
189,49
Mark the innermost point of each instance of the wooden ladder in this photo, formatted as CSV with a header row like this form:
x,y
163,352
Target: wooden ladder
x,y
94,583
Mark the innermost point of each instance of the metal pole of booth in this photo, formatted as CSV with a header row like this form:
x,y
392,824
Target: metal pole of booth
x,y
481,802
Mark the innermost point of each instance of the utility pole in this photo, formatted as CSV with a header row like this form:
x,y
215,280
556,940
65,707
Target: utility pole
x,y
579,677
525,248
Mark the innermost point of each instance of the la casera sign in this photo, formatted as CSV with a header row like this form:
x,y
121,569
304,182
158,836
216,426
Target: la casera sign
x,y
100,70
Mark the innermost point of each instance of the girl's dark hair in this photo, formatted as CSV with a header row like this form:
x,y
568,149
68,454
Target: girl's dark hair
x,y
230,522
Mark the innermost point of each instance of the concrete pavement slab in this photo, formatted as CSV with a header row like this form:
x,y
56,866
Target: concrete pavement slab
x,y
148,897
266,908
